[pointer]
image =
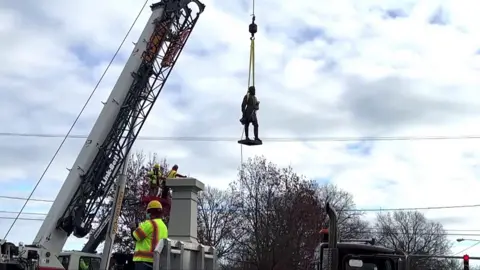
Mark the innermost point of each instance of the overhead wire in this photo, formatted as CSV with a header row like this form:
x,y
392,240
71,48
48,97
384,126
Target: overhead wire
x,y
379,209
22,218
78,116
448,232
23,213
412,208
368,231
418,234
376,209
25,198
269,139
465,249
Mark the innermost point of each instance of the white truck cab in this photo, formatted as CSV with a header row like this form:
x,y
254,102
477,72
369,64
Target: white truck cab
x,y
77,260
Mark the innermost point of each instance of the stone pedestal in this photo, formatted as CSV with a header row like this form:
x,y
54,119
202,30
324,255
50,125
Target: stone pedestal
x,y
183,214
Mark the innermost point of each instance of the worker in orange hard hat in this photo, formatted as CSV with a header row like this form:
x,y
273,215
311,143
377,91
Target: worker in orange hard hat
x,y
147,235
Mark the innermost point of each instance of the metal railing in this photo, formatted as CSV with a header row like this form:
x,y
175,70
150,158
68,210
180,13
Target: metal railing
x,y
174,254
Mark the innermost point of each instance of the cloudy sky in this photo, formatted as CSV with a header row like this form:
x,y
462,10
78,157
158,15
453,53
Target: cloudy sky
x,y
324,69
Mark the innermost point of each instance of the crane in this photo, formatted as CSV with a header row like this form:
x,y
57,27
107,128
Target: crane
x,y
113,134
98,236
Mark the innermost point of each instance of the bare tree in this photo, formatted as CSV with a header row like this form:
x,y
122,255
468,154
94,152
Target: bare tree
x,y
279,218
350,223
413,233
132,208
217,219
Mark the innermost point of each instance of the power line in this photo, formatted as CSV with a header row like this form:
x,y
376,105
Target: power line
x,y
341,210
23,213
412,208
358,232
373,209
368,230
371,230
20,218
24,199
420,234
271,139
425,232
463,250
379,230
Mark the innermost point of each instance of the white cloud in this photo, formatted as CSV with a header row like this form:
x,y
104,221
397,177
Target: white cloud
x,y
323,69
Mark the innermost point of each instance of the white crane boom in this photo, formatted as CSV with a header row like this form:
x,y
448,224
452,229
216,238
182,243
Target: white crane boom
x,y
116,129
51,236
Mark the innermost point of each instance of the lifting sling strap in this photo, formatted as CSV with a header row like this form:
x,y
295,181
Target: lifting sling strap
x,y
251,67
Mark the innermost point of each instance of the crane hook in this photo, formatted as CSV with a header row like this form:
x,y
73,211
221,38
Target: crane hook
x,y
253,28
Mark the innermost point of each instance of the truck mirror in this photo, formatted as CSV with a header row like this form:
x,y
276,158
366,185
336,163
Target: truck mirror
x,y
355,263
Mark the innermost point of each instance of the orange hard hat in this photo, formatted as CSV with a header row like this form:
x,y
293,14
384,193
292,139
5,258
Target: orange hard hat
x,y
154,205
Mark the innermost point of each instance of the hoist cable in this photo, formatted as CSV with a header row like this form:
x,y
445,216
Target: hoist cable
x,y
76,119
251,67
251,73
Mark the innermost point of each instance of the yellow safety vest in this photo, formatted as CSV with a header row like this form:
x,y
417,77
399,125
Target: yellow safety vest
x,y
83,265
153,177
147,236
172,174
